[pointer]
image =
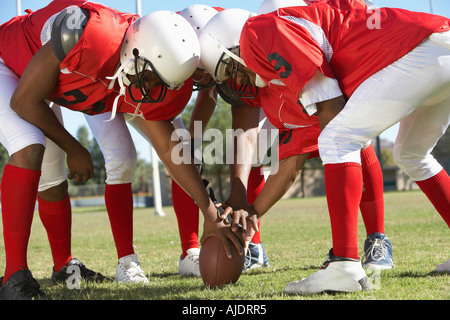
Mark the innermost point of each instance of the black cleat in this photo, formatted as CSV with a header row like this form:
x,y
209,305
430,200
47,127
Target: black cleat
x,y
22,286
84,273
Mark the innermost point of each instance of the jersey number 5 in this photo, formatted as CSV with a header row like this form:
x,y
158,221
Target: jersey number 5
x,y
280,62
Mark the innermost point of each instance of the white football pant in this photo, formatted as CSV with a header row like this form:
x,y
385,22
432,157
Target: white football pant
x,y
16,133
117,146
415,91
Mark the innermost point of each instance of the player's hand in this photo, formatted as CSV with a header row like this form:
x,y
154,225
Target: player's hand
x,y
242,216
80,165
214,226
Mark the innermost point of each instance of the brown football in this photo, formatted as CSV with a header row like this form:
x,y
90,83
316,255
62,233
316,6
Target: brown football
x,y
216,268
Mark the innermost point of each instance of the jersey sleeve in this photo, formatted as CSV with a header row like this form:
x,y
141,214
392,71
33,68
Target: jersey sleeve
x,y
319,88
284,51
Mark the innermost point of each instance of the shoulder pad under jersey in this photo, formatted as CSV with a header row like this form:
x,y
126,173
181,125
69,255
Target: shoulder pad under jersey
x,y
67,29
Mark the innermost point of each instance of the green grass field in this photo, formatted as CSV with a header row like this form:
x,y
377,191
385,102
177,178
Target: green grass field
x,y
295,233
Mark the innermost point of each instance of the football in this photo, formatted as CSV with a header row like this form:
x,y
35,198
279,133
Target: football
x,y
216,268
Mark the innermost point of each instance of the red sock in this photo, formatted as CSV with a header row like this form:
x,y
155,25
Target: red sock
x,y
18,193
57,220
187,213
343,182
119,204
256,183
437,189
372,200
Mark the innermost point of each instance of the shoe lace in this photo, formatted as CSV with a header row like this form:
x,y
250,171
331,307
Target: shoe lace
x,y
248,259
252,253
194,258
377,249
134,270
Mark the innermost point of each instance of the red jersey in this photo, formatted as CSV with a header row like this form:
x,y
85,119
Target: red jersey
x,y
298,132
284,112
82,84
341,4
286,47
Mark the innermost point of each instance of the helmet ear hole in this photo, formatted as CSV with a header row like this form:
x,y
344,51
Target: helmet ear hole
x,y
158,37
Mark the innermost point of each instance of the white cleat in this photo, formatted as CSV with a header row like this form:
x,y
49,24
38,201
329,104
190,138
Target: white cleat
x,y
189,265
443,267
337,274
129,270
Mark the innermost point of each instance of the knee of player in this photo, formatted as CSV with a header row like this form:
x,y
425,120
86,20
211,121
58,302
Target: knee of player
x,y
29,157
402,158
55,192
326,143
322,141
121,171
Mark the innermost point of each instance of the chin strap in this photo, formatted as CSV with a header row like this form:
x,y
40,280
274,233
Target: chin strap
x,y
119,76
234,56
135,112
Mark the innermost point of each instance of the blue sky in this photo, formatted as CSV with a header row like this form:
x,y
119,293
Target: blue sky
x,y
9,9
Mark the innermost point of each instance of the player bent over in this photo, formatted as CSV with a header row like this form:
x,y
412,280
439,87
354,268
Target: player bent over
x,y
253,180
80,79
296,144
390,81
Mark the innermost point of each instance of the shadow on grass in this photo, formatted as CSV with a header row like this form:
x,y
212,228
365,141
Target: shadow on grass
x,y
163,275
270,269
415,274
170,286
151,291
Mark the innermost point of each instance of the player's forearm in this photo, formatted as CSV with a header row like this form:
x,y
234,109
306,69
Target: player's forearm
x,y
185,174
203,110
245,126
188,178
41,115
35,85
279,183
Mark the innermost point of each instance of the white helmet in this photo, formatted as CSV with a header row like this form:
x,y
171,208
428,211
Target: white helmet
x,y
198,16
219,42
218,39
272,5
163,42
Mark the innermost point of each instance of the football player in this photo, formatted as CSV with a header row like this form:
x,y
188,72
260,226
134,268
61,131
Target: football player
x,y
120,160
250,181
298,141
347,67
77,75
